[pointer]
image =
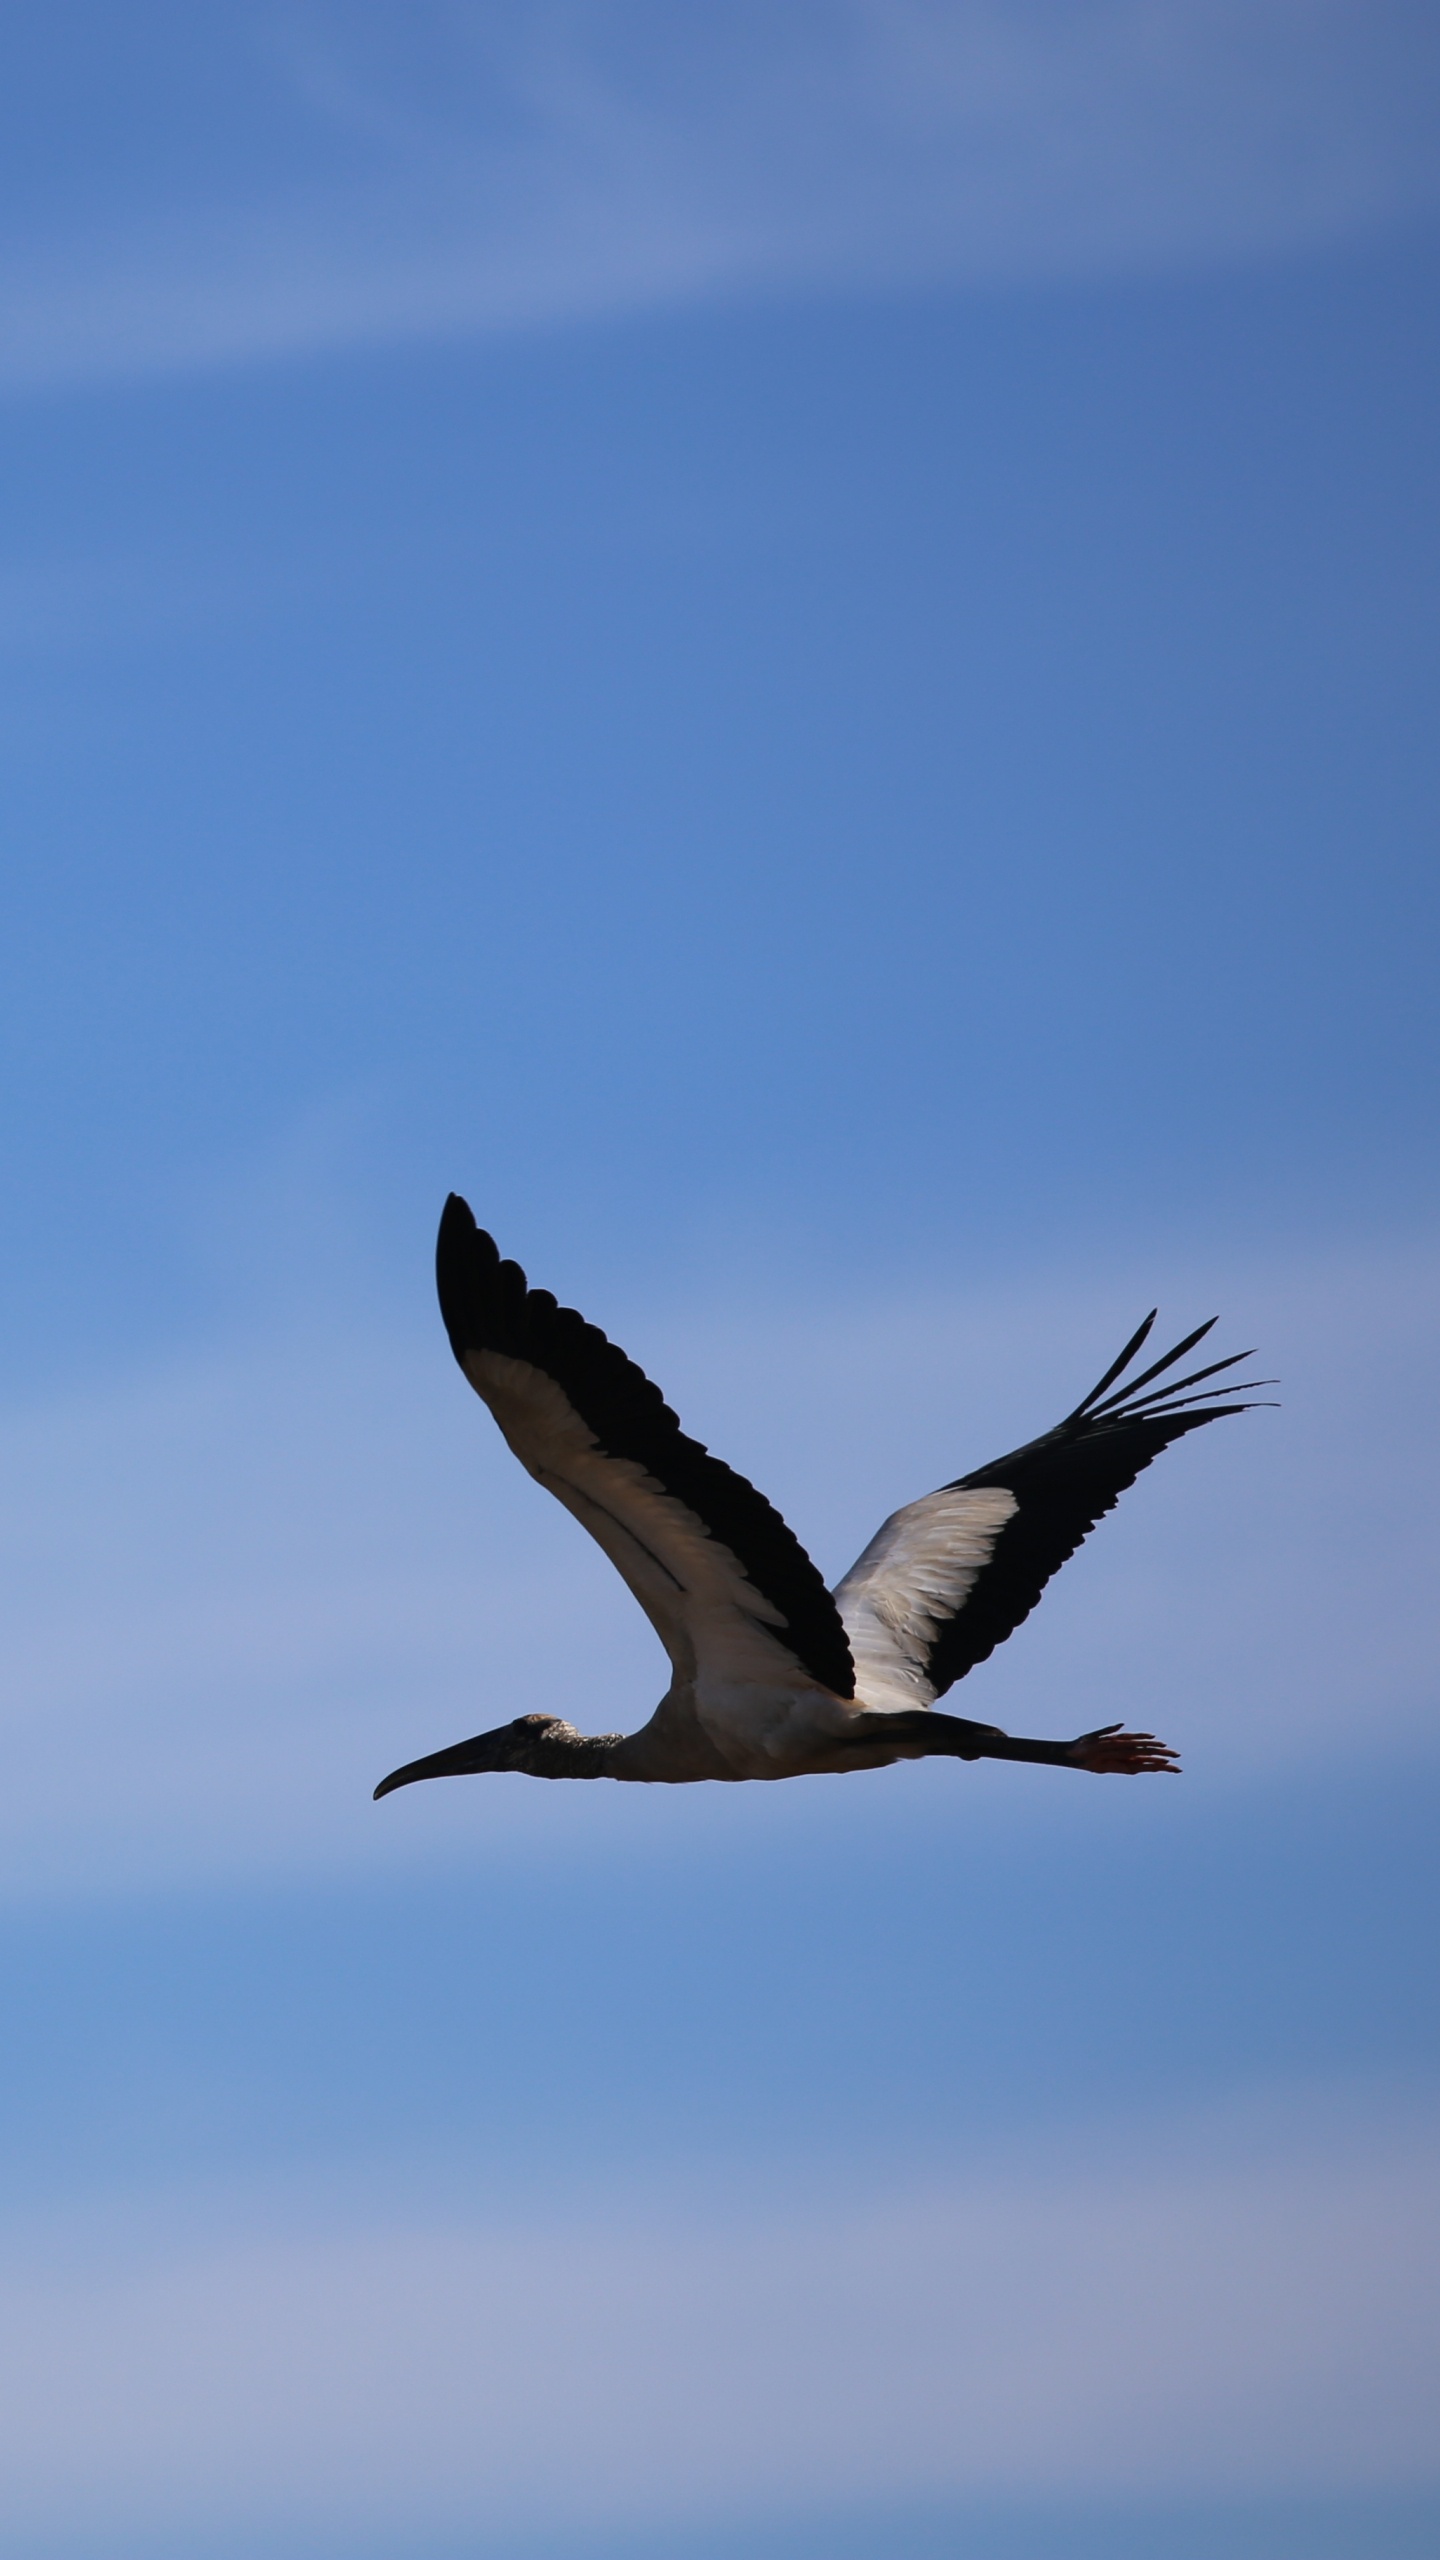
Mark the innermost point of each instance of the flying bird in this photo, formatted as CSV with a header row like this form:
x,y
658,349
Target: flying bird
x,y
774,1676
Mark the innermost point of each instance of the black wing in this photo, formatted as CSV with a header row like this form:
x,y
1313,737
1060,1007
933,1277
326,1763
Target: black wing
x,y
1066,1481
709,1559
949,1577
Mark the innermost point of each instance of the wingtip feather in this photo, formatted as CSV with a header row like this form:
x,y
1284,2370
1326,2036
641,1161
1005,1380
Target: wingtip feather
x,y
1141,1334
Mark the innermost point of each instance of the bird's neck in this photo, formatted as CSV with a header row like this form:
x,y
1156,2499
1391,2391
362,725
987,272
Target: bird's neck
x,y
562,1752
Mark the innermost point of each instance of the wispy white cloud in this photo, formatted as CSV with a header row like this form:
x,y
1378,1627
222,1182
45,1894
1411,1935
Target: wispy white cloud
x,y
391,173
236,1590
1249,2314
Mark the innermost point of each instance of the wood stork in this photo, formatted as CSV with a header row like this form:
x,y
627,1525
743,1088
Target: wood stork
x,y
774,1676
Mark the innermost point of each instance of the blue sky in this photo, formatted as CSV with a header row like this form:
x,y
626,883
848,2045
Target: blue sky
x,y
797,648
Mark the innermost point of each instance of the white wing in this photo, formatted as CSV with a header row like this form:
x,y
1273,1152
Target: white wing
x,y
727,1586
931,1597
708,1614
916,1574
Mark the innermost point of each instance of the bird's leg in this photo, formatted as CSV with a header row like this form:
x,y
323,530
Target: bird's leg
x,y
1108,1752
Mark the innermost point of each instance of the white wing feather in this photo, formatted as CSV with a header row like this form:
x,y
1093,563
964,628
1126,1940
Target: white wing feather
x,y
713,1622
916,1573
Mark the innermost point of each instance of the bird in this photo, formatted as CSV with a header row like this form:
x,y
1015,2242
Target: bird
x,y
774,1676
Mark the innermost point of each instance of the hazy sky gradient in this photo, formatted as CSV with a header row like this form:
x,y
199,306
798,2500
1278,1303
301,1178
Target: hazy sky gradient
x,y
797,647
186,190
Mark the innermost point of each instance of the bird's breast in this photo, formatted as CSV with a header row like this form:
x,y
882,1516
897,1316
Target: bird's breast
x,y
772,1730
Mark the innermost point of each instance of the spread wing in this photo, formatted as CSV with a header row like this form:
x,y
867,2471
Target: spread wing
x,y
726,1585
951,1576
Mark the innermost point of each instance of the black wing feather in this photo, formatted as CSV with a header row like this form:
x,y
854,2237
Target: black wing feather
x,y
1063,1483
487,1306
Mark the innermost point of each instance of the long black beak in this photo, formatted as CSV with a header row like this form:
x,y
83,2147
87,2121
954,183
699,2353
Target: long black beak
x,y
462,1760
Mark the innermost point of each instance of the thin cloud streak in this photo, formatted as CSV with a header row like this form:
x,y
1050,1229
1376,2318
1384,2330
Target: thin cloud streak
x,y
1206,2320
444,172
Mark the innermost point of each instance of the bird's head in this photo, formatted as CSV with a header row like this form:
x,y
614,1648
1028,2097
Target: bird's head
x,y
519,1745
